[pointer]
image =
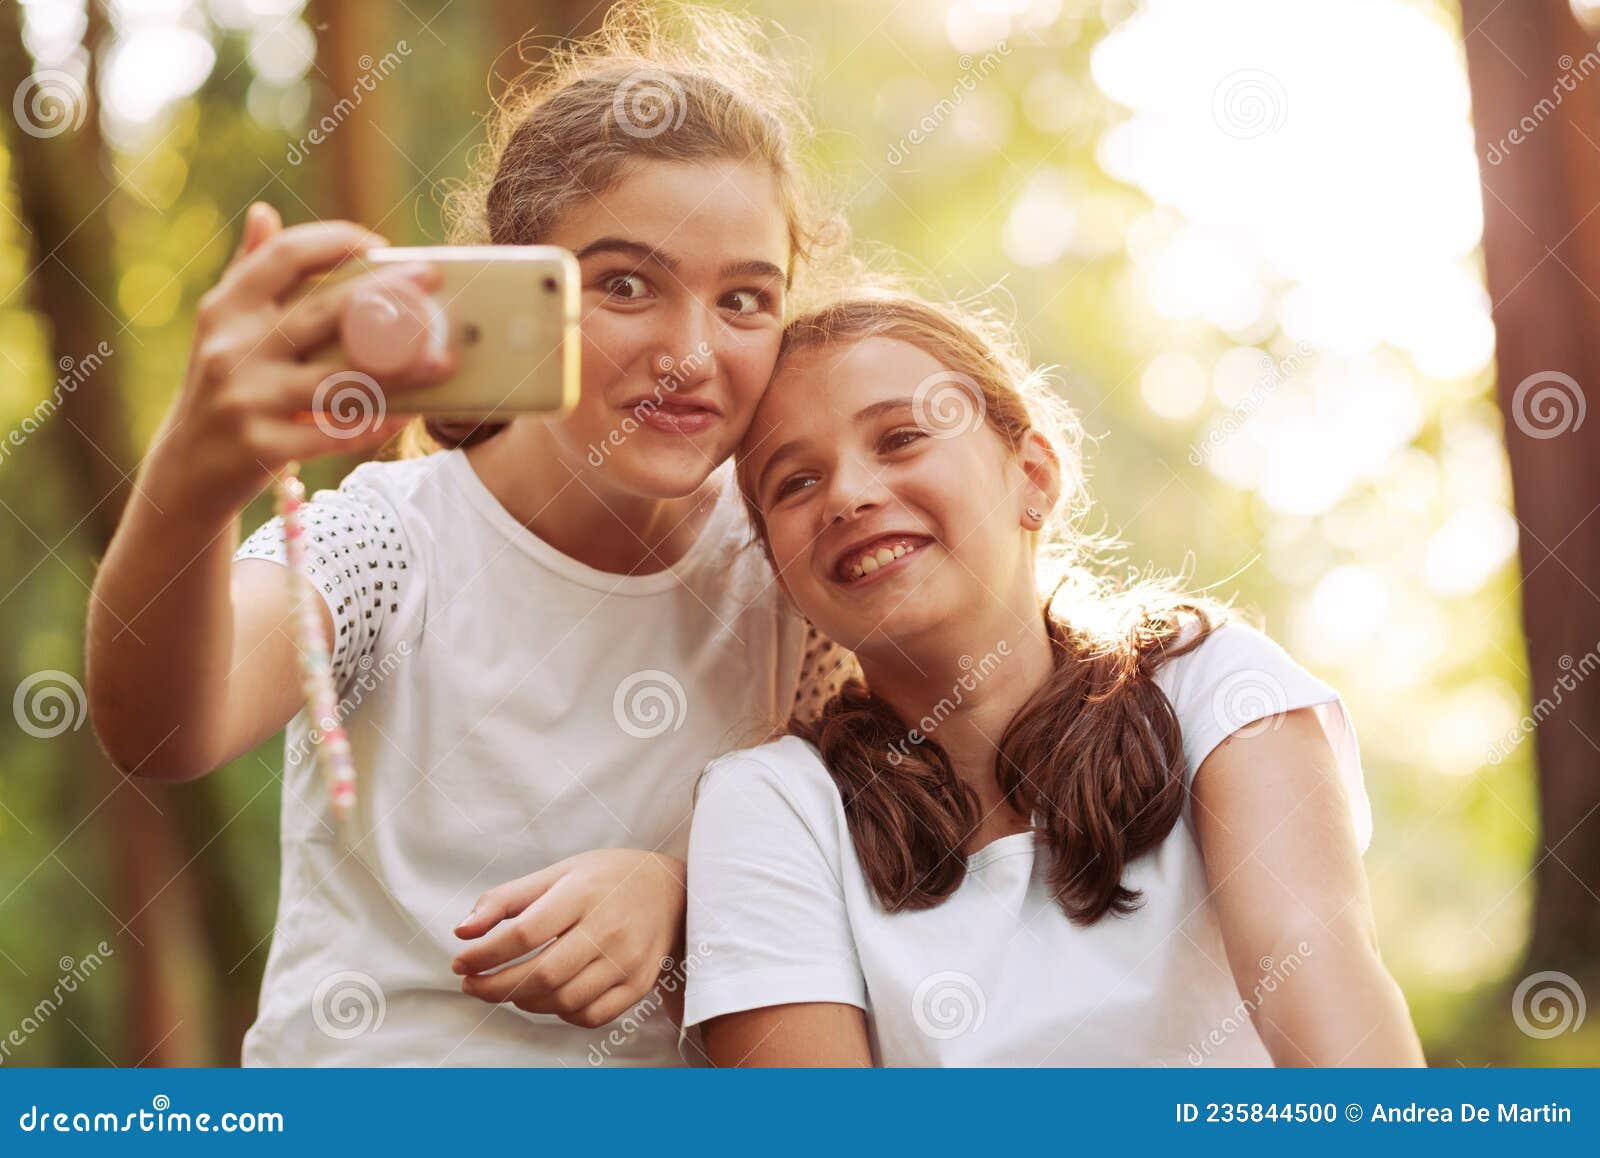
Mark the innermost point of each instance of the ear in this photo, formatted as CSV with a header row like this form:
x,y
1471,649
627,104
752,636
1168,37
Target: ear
x,y
1041,468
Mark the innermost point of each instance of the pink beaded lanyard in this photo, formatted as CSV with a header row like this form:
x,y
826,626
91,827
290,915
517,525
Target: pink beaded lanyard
x,y
332,749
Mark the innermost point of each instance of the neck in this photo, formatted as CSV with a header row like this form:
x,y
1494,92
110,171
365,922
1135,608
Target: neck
x,y
611,531
963,690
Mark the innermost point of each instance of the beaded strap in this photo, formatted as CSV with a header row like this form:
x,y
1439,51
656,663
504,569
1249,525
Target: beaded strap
x,y
332,749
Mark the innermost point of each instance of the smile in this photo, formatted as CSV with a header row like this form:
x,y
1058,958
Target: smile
x,y
876,558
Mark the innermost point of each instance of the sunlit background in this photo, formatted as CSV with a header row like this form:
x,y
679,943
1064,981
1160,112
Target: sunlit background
x,y
1246,231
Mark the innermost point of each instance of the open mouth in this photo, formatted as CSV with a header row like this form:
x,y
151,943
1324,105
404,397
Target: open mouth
x,y
877,557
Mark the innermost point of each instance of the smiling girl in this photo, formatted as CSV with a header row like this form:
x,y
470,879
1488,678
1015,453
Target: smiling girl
x,y
538,646
1109,828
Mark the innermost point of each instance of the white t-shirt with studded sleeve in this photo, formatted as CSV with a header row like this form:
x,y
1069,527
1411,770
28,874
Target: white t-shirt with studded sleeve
x,y
781,912
507,706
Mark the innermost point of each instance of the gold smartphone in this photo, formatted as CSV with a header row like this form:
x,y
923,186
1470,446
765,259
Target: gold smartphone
x,y
509,316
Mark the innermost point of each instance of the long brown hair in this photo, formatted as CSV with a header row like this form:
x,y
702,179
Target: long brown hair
x,y
658,81
1096,754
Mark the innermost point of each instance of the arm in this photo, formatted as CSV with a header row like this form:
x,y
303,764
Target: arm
x,y
1273,823
816,1034
191,659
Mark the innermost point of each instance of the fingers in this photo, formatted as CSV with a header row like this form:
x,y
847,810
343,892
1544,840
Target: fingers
x,y
509,899
261,221
274,441
536,985
276,267
348,397
550,916
608,1007
314,319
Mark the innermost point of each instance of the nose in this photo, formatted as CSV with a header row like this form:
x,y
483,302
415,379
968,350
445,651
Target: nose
x,y
688,354
855,488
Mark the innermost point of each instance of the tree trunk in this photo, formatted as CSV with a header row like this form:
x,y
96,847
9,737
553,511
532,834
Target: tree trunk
x,y
1536,110
62,193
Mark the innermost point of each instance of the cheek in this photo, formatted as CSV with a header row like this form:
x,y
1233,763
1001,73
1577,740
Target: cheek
x,y
789,541
747,361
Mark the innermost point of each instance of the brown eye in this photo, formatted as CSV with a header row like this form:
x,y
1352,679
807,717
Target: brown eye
x,y
902,438
625,287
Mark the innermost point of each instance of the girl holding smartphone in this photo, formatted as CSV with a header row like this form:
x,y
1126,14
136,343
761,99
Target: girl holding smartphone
x,y
540,646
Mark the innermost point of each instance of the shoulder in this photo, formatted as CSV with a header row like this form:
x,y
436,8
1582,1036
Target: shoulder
x,y
783,781
1235,677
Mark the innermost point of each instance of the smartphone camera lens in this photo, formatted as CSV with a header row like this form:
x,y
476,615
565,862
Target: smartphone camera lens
x,y
470,334
550,286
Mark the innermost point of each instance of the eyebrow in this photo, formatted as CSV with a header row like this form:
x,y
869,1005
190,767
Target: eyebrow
x,y
642,253
866,413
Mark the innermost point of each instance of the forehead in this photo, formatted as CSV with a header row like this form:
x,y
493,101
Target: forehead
x,y
712,211
820,389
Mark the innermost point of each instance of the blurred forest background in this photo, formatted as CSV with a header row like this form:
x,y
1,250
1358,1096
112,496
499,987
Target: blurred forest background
x,y
1277,248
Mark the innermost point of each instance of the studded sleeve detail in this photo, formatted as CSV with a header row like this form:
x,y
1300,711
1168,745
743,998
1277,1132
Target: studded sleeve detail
x,y
357,560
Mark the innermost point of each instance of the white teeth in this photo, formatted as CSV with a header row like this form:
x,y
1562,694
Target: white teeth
x,y
882,557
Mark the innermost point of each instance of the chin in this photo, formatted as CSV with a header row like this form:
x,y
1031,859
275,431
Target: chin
x,y
657,476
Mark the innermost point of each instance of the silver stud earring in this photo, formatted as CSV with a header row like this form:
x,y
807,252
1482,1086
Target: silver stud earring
x,y
1035,514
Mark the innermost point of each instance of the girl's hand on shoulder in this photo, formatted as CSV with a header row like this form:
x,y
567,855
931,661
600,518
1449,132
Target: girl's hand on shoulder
x,y
615,916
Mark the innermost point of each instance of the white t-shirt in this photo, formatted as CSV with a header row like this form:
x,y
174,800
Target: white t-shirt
x,y
507,706
781,912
